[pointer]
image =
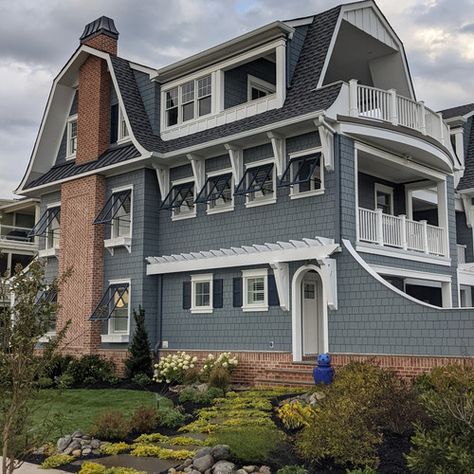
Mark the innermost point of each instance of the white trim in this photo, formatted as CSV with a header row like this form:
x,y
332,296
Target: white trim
x,y
125,237
120,137
69,154
413,274
116,337
115,242
300,21
379,187
202,278
252,274
256,83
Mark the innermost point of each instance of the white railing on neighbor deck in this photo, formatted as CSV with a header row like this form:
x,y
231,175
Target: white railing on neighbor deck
x,y
16,234
388,106
400,232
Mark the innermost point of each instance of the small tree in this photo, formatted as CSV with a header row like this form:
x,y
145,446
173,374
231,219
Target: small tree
x,y
139,356
21,327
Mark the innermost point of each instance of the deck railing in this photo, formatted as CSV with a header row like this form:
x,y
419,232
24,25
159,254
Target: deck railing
x,y
388,106
399,232
15,234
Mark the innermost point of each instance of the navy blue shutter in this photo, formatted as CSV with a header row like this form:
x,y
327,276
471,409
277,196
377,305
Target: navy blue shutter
x,y
114,123
218,293
186,294
273,299
237,292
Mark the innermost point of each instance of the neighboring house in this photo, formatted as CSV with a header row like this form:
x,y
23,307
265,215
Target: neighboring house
x,y
279,195
17,218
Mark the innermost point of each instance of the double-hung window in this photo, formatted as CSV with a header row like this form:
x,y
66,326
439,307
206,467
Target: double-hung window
x,y
188,101
71,136
123,133
217,192
255,290
201,293
304,174
384,198
258,183
180,199
48,226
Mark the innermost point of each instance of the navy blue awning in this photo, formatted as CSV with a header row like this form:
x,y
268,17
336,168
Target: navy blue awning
x,y
178,195
303,170
255,179
45,220
215,187
113,297
112,206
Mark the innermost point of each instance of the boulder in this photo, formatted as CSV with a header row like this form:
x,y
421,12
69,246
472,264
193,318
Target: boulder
x,y
193,471
86,451
223,467
77,434
265,470
63,443
203,452
241,471
203,463
95,444
75,445
220,452
249,469
76,453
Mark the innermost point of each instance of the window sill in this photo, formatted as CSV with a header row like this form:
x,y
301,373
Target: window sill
x,y
47,337
262,202
248,309
220,210
70,157
115,338
123,140
116,242
45,253
202,310
316,192
183,217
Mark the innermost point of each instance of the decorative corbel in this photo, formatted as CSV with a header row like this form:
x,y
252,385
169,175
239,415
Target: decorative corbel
x,y
468,210
236,156
279,151
197,163
163,176
326,135
328,270
282,279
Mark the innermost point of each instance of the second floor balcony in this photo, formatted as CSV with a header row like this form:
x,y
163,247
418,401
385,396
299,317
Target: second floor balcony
x,y
16,238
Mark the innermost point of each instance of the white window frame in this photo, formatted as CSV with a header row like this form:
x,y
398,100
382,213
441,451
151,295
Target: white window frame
x,y
125,240
257,83
249,275
53,250
202,278
70,155
382,188
230,206
296,194
123,336
186,215
121,136
262,201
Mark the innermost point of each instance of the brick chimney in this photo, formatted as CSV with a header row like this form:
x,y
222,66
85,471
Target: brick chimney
x,y
93,122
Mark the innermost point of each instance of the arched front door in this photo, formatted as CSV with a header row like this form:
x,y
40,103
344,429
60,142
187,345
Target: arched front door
x,y
311,314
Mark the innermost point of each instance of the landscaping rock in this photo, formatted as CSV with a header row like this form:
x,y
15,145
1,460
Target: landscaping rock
x,y
202,452
194,472
77,434
241,471
76,453
265,470
223,467
249,469
220,452
86,451
203,463
63,443
78,444
95,444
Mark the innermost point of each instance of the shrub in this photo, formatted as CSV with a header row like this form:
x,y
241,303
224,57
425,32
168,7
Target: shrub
x,y
192,395
152,438
365,470
111,449
251,444
348,424
292,470
139,355
141,379
56,460
225,360
45,382
144,419
148,450
57,366
445,444
295,415
90,367
219,377
170,418
66,381
191,376
95,468
110,425
173,368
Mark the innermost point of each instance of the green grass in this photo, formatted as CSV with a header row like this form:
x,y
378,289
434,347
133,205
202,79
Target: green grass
x,y
70,410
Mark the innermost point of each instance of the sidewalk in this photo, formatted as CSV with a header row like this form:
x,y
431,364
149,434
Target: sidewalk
x,y
28,468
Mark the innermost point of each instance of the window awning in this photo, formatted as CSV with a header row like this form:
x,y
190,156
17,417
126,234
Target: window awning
x,y
45,220
254,180
112,206
114,296
305,166
214,188
177,195
47,296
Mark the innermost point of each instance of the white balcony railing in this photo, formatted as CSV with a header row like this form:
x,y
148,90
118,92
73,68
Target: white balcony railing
x,y
16,234
399,232
388,106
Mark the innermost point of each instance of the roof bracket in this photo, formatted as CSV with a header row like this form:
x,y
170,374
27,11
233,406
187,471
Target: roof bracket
x,y
236,156
326,136
328,270
279,151
163,176
282,279
198,166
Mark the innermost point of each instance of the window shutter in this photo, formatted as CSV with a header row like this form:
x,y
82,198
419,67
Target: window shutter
x,y
237,293
273,299
218,294
114,123
186,295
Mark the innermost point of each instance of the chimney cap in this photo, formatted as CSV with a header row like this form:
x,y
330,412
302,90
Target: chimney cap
x,y
103,25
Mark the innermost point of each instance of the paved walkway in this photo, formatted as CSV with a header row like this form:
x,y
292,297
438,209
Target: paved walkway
x,y
28,468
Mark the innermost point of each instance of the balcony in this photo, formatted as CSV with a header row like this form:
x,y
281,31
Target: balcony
x,y
16,238
399,232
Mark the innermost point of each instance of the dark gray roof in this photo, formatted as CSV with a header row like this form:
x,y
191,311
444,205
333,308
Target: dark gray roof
x,y
467,181
458,111
69,169
103,25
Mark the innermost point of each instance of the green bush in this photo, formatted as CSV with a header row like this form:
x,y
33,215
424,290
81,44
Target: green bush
x,y
292,470
57,366
361,404
365,470
219,377
192,376
110,425
45,382
66,381
170,418
91,368
144,420
96,468
251,444
141,379
444,444
139,354
56,460
192,395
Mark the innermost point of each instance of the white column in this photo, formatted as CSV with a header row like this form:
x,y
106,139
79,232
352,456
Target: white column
x,y
425,236
409,203
219,91
422,112
443,213
379,226
446,295
280,52
403,220
353,103
393,107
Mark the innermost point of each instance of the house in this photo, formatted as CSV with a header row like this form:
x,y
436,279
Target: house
x,y
281,194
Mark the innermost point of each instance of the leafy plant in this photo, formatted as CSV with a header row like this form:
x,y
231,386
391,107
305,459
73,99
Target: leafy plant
x,y
111,449
225,360
152,438
57,460
365,470
141,379
91,368
170,418
66,381
193,395
292,470
110,425
96,468
295,415
173,368
45,382
139,354
148,450
144,419
219,377
57,366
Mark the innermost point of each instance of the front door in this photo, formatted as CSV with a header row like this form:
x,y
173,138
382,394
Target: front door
x,y
311,320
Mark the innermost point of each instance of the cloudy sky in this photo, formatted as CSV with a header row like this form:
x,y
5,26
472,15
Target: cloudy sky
x,y
37,38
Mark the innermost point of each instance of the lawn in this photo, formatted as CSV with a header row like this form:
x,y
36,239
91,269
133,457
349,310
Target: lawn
x,y
74,409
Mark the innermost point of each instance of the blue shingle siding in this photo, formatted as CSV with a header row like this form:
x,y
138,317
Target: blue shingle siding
x,y
51,269
295,45
218,163
464,235
345,165
150,94
366,188
180,172
235,80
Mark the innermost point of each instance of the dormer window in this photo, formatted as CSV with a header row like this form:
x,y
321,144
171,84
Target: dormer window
x,y
71,137
123,133
258,88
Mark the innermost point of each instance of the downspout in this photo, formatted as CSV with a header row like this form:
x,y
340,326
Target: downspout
x,y
157,347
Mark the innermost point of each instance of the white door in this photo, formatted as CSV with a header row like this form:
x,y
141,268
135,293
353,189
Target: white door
x,y
311,320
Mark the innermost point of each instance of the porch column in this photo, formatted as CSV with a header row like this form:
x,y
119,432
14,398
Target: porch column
x,y
443,213
280,51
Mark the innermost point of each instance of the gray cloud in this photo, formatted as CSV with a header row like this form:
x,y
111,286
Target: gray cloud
x,y
37,38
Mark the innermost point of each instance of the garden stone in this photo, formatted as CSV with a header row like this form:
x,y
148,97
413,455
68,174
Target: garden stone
x,y
220,452
202,388
75,445
203,463
188,469
202,452
265,470
209,471
241,471
67,451
76,453
86,451
77,434
63,443
194,472
95,444
223,467
250,469
86,438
